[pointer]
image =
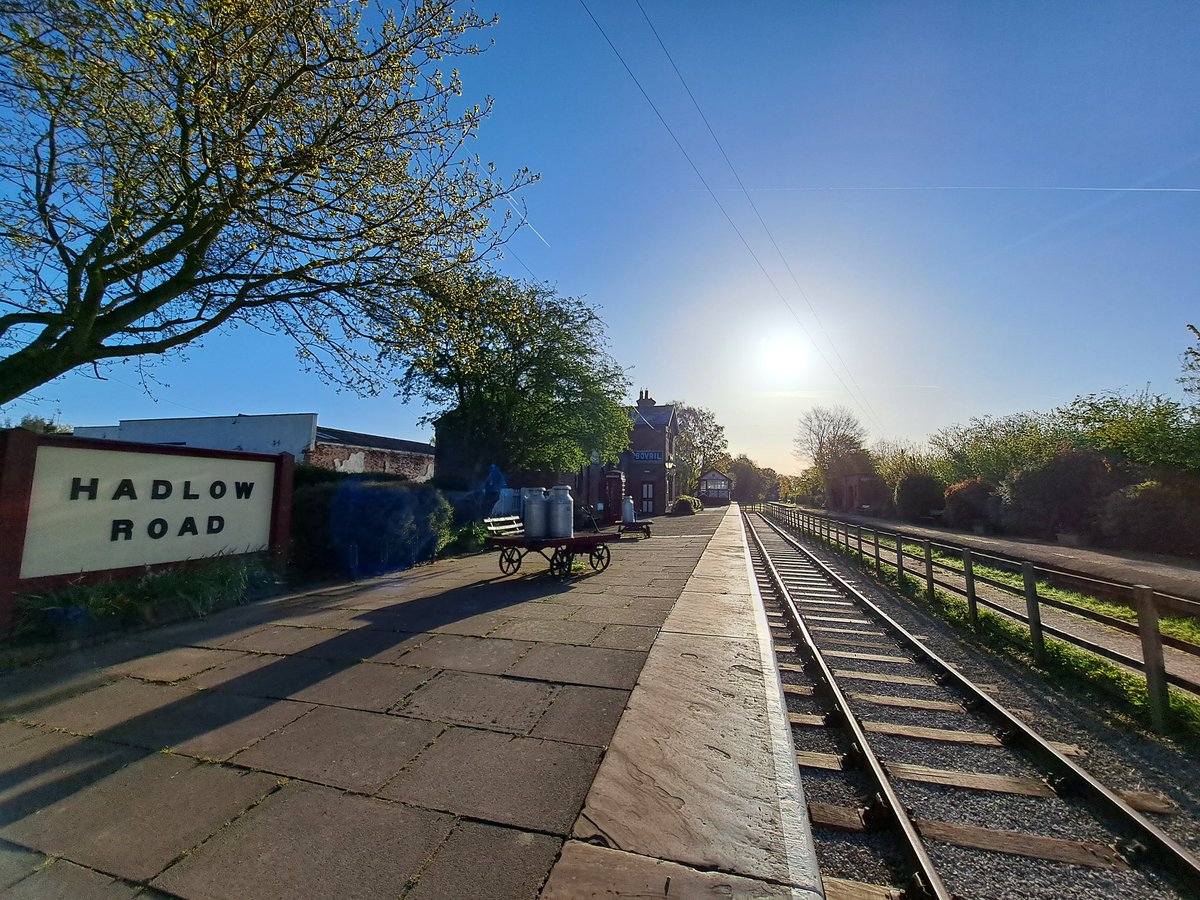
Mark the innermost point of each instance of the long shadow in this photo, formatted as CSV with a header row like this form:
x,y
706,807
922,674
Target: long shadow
x,y
53,776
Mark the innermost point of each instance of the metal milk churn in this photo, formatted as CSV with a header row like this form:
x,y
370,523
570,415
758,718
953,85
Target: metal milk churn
x,y
562,512
535,512
627,511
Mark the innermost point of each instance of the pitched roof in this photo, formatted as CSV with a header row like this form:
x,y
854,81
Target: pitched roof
x,y
370,441
654,416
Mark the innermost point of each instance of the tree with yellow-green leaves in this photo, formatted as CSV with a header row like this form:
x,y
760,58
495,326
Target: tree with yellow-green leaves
x,y
168,167
517,375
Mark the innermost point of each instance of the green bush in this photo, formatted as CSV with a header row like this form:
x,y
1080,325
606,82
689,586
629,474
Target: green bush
x,y
1156,516
917,495
969,503
1063,494
686,506
358,527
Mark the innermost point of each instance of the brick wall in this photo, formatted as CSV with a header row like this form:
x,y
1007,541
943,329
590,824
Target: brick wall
x,y
344,458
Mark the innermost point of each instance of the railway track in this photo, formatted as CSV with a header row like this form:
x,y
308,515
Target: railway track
x,y
919,783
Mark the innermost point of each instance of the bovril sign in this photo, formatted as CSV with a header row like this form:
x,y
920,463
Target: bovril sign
x,y
94,509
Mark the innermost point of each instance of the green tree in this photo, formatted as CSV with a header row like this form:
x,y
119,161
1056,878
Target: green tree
x,y
1143,428
519,376
701,442
169,167
993,448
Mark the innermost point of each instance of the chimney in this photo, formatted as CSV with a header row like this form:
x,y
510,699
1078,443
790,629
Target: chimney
x,y
644,400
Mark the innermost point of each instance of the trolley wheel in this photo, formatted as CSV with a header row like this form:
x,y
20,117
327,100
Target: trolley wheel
x,y
510,560
561,562
600,556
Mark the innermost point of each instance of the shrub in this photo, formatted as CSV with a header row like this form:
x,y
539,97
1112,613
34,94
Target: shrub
x,y
358,527
1157,516
969,503
1061,494
917,495
685,506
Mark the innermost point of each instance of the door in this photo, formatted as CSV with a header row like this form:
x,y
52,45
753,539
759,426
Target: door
x,y
648,497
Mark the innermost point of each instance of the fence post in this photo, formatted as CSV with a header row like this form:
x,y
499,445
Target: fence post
x,y
858,534
899,561
969,576
1035,613
928,569
875,541
1152,655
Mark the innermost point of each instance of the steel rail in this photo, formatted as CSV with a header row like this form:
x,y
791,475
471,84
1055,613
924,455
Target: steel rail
x,y
926,878
1171,854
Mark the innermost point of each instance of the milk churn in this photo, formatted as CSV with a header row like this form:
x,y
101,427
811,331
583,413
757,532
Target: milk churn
x,y
535,512
627,512
562,512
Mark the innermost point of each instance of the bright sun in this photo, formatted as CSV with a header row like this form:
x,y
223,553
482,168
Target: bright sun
x,y
781,359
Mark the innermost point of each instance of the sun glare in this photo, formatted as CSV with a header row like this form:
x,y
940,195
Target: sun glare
x,y
781,359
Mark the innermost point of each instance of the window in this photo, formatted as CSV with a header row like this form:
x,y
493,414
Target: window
x,y
648,496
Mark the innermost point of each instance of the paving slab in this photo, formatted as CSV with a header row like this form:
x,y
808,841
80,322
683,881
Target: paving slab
x,y
107,707
487,862
63,880
208,726
273,677
557,632
280,639
623,615
626,637
580,665
586,871
345,748
175,664
485,701
506,779
488,656
369,686
137,820
49,766
17,863
582,715
311,841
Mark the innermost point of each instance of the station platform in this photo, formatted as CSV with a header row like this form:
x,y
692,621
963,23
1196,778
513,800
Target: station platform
x,y
447,732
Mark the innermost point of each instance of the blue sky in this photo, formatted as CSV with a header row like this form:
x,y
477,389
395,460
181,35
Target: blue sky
x,y
969,208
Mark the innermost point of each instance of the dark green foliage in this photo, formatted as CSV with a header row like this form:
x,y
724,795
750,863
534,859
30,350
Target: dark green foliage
x,y
78,610
686,506
304,475
1156,516
970,503
469,538
1060,495
358,527
918,495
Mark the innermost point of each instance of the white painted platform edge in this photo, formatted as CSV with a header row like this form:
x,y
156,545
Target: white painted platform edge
x,y
799,848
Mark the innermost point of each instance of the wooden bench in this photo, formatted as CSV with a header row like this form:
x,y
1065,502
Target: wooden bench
x,y
508,534
504,526
642,525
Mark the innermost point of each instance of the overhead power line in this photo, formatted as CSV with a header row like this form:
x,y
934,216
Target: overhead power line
x,y
865,404
728,218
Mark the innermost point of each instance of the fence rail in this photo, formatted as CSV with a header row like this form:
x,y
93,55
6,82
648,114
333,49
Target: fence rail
x,y
913,555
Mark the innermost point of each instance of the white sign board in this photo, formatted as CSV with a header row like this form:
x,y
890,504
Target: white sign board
x,y
111,509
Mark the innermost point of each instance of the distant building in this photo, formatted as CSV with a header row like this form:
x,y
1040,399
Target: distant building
x,y
648,466
715,488
295,433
